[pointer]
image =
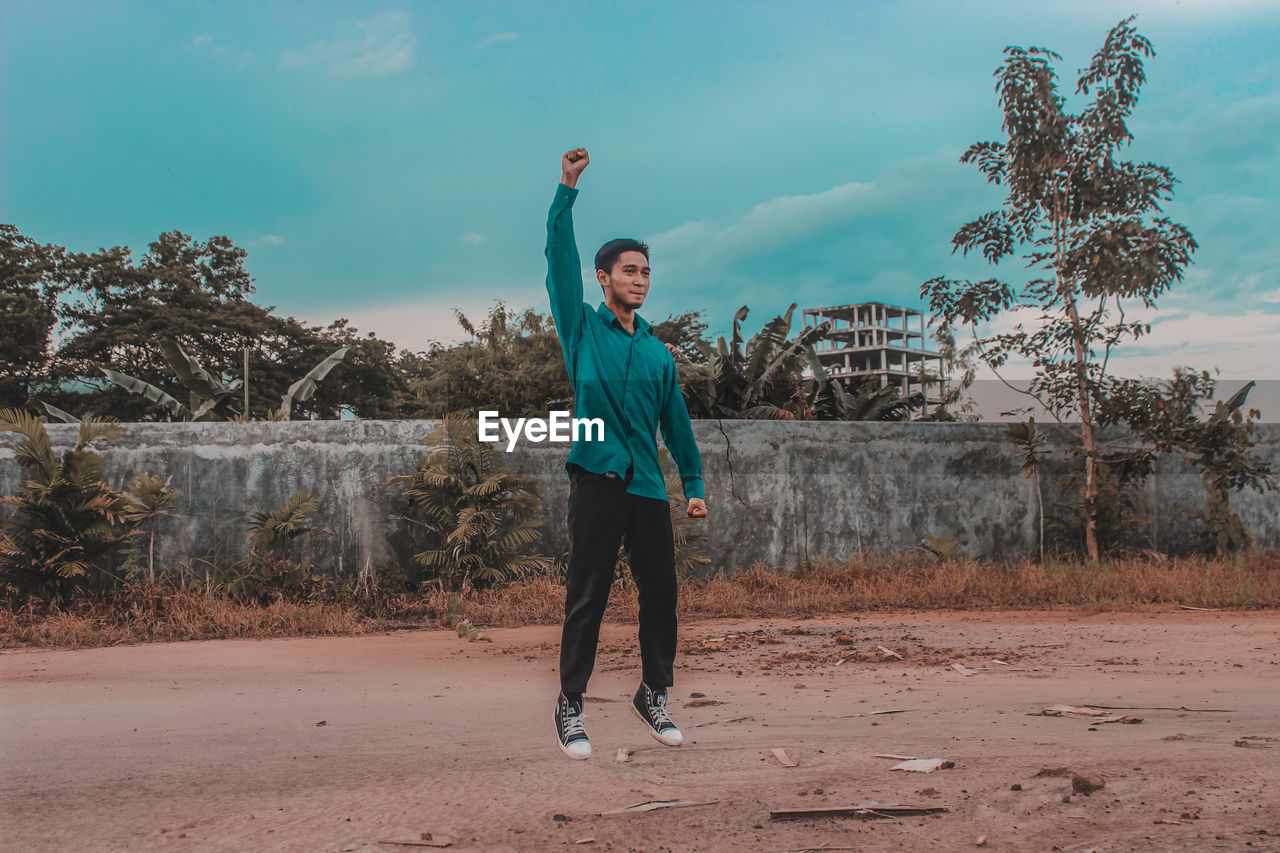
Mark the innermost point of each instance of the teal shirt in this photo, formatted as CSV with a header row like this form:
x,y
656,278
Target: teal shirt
x,y
627,381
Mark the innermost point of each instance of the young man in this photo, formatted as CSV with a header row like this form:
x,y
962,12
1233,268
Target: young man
x,y
626,377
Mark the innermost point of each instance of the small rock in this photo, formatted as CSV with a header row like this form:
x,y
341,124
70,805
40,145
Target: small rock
x,y
1015,787
980,841
561,818
1081,784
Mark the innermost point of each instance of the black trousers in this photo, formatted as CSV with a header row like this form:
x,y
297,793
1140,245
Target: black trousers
x,y
601,516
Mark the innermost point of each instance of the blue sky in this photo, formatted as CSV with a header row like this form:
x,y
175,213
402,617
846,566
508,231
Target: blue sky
x,y
388,162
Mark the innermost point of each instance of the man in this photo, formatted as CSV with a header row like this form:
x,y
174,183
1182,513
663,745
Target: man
x,y
626,377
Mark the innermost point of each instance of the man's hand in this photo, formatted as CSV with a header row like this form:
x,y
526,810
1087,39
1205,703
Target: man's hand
x,y
697,508
571,166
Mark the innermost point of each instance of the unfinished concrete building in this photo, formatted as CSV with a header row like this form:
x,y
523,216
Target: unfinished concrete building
x,y
883,341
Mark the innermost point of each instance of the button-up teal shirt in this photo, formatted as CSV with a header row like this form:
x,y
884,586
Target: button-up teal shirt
x,y
627,381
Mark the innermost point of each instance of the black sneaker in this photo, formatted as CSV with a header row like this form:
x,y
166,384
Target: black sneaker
x,y
569,728
651,707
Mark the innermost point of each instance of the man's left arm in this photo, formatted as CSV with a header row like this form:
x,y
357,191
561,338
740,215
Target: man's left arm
x,y
677,433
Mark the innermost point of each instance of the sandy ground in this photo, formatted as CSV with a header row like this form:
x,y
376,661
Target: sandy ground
x,y
346,744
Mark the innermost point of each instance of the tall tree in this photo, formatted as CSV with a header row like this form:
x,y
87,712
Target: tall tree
x,y
198,294
30,284
1085,220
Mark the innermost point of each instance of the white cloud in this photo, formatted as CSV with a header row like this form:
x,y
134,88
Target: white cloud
x,y
507,36
774,221
472,238
377,46
202,40
266,240
1243,346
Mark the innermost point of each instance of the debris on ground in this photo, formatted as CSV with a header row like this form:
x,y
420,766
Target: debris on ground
x,y
1081,784
417,843
1256,742
865,811
470,632
923,765
980,841
879,713
1054,771
1097,717
585,841
889,653
963,670
724,720
624,755
561,818
658,804
701,703
929,792
783,759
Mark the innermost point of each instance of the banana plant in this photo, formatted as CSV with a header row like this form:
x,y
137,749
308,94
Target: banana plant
x,y
210,397
305,388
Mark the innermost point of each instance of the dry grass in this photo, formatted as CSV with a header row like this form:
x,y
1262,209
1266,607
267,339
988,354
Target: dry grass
x,y
155,612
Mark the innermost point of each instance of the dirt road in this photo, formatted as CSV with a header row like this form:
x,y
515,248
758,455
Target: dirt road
x,y
343,744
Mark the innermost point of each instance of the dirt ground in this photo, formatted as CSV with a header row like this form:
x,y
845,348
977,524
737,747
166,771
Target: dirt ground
x,y
348,744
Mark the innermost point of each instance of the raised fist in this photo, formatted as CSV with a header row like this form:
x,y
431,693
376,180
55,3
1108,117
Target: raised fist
x,y
572,164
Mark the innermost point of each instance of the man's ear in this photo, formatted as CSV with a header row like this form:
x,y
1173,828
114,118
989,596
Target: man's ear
x,y
602,277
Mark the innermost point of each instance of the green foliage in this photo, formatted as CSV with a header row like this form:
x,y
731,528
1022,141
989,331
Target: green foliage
x,y
512,363
686,332
66,522
763,377
270,570
1169,417
210,397
1117,517
944,548
1088,227
479,515
149,498
110,312
30,284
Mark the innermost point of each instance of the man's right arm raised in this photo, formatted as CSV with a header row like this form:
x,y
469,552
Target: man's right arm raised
x,y
564,269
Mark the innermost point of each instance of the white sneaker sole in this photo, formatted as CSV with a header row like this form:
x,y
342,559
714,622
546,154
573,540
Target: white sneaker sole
x,y
659,738
567,750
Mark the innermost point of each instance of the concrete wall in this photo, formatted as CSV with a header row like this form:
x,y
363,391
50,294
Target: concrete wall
x,y
777,491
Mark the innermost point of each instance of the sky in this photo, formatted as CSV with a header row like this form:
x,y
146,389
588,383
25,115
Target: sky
x,y
392,162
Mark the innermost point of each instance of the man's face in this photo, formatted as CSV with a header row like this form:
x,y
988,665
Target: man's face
x,y
628,284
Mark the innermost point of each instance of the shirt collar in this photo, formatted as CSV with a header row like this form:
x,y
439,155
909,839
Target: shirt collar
x,y
642,325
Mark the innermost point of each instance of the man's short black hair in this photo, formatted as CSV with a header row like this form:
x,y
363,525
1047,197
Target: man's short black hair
x,y
609,252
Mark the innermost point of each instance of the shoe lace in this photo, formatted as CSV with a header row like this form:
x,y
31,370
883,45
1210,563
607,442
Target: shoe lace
x,y
571,720
658,710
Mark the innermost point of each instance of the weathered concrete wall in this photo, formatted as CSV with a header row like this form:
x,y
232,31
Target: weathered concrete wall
x,y
777,491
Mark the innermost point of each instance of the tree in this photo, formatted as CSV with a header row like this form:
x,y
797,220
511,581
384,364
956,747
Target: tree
x,y
66,521
687,333
30,285
1085,220
513,363
479,515
197,295
764,377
